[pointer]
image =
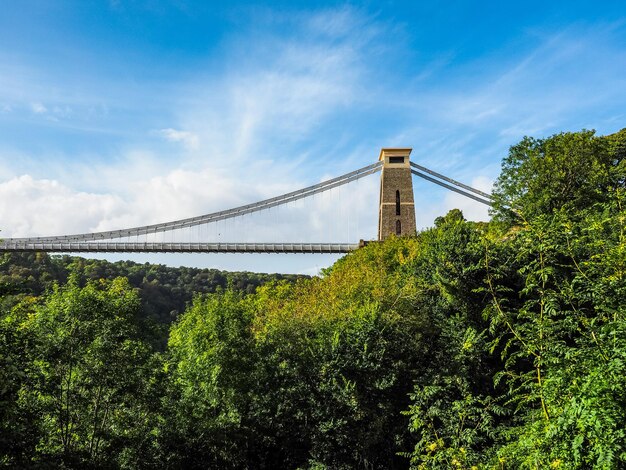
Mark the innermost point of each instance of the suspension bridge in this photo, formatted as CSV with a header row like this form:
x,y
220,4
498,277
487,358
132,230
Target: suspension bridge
x,y
396,216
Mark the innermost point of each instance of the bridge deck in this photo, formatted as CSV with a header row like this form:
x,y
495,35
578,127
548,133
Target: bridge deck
x,y
79,247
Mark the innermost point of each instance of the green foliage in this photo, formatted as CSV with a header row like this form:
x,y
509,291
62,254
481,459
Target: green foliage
x,y
304,375
454,413
568,171
455,427
164,291
552,290
564,337
211,370
87,373
16,437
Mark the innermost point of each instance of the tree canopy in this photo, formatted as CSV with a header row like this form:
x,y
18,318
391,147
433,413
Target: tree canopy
x,y
570,171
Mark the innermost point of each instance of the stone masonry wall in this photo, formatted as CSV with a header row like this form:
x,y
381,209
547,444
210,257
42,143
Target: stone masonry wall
x,y
393,179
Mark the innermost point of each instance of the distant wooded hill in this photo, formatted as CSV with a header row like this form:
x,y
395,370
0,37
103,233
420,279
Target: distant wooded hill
x,y
164,291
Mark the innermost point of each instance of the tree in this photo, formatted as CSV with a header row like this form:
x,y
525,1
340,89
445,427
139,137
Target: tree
x,y
90,376
567,171
565,337
212,374
453,413
304,375
17,439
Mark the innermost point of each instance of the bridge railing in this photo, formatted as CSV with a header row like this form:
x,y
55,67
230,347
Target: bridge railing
x,y
145,247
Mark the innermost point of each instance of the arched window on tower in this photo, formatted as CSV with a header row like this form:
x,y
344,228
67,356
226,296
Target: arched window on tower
x,y
398,202
398,228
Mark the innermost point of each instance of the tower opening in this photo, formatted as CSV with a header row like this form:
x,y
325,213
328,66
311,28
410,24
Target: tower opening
x,y
398,228
397,202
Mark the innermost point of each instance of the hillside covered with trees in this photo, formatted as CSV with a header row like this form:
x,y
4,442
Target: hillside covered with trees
x,y
497,345
164,291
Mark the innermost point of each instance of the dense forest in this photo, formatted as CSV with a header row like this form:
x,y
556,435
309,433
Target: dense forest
x,y
498,345
164,291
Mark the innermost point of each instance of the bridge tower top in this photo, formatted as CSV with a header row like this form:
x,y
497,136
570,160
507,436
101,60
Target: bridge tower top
x,y
396,213
395,156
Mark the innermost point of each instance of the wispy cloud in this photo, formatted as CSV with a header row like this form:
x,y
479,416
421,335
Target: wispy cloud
x,y
38,108
280,92
189,139
568,80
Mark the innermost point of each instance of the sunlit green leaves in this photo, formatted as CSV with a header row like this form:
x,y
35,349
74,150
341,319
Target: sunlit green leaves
x,y
87,369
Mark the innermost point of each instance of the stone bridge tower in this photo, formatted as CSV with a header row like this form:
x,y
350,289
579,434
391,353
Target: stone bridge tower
x,y
396,213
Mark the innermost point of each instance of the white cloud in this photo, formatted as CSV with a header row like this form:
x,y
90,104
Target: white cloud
x,y
189,139
38,108
62,111
31,207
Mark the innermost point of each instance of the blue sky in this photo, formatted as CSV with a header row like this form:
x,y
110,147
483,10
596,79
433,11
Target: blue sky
x,y
120,113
